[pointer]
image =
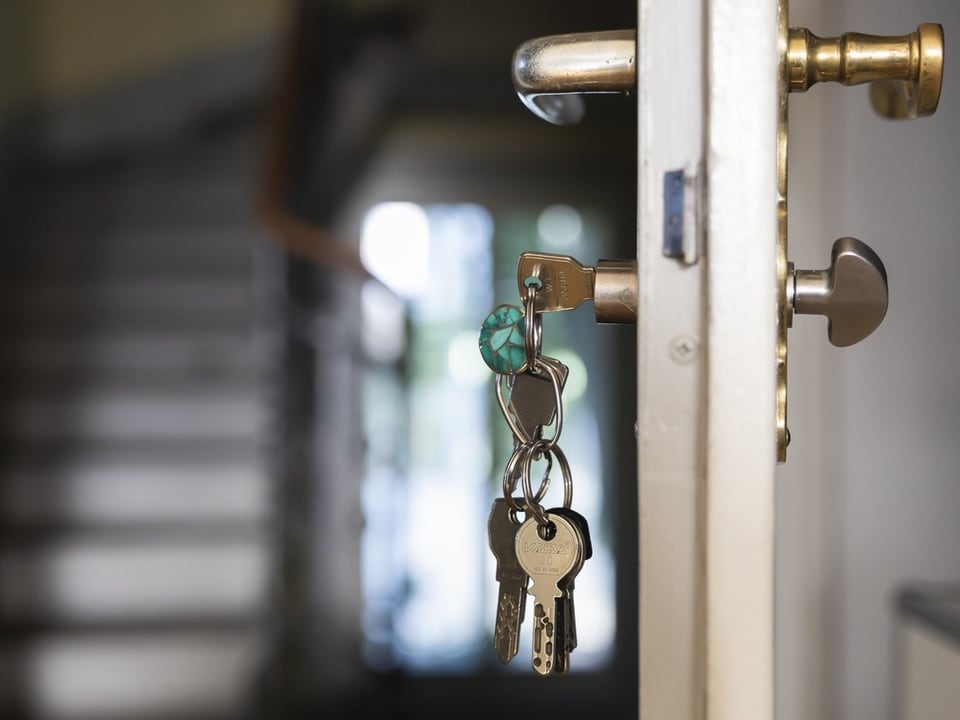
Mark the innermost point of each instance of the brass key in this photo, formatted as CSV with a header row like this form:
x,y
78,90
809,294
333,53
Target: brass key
x,y
550,562
565,284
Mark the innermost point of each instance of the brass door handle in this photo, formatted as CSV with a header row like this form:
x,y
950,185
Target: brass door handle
x,y
551,73
906,70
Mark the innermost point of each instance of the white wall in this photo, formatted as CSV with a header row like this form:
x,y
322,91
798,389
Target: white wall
x,y
870,495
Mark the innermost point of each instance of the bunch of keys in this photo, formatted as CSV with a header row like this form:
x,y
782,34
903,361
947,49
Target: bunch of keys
x,y
542,554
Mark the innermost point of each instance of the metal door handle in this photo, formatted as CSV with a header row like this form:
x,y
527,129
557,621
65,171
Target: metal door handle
x,y
551,73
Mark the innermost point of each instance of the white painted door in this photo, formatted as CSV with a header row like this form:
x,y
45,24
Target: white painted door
x,y
707,93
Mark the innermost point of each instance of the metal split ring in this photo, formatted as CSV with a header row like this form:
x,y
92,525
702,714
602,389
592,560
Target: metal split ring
x,y
533,502
524,455
510,476
533,327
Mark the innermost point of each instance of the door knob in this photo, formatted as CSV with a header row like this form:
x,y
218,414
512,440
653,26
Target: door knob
x,y
851,293
551,73
906,70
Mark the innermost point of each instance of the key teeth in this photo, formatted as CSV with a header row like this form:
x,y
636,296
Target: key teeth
x,y
542,643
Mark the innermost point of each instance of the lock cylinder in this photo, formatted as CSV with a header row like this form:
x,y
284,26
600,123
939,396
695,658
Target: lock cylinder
x,y
615,292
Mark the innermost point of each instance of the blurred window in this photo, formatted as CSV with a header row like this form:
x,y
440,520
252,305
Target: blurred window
x,y
437,444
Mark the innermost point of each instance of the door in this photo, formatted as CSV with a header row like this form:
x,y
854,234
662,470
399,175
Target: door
x,y
707,509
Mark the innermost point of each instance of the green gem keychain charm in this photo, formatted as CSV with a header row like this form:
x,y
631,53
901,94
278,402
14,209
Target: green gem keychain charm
x,y
502,340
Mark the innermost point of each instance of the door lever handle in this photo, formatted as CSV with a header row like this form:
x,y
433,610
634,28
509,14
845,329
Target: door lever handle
x,y
551,73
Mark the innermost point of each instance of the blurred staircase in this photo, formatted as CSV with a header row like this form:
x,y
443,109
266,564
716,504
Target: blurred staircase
x,y
134,498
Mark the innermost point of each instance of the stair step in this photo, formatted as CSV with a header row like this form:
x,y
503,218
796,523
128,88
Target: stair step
x,y
89,579
193,674
128,492
93,414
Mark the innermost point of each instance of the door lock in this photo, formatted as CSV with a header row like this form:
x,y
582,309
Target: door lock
x,y
906,74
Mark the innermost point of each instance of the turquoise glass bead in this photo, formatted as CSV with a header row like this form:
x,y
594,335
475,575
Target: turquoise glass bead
x,y
501,340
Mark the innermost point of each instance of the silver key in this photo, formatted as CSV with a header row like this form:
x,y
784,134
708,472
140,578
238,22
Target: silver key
x,y
512,596
550,562
533,399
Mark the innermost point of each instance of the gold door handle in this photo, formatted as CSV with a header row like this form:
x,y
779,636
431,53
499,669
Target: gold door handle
x,y
551,73
906,70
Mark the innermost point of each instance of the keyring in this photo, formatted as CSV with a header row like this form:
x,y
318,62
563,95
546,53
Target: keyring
x,y
533,325
510,475
533,502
